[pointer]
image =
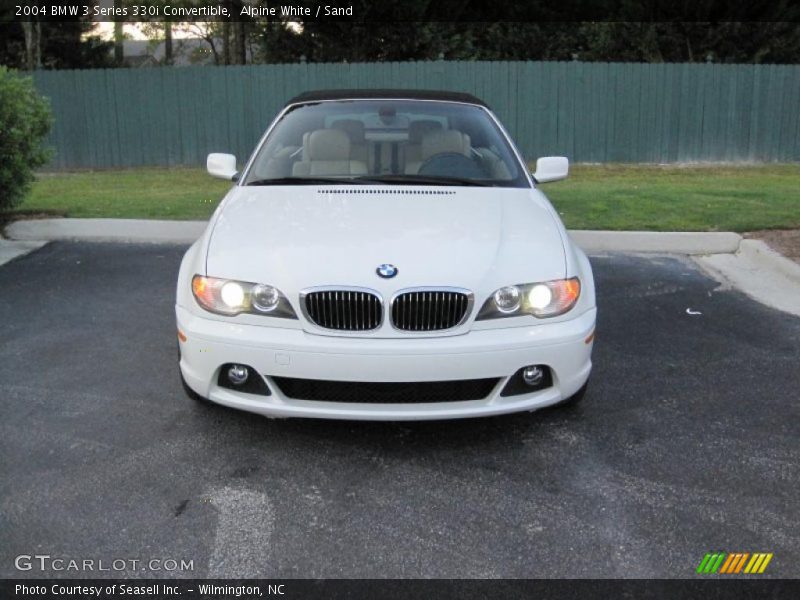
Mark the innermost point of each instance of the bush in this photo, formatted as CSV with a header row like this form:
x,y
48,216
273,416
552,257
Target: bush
x,y
25,119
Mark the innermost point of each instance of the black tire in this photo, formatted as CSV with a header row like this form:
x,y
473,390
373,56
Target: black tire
x,y
575,399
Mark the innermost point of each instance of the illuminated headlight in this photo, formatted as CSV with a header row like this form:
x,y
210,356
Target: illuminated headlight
x,y
226,297
232,295
545,299
540,297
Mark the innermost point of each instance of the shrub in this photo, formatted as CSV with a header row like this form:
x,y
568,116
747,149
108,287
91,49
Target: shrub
x,y
25,119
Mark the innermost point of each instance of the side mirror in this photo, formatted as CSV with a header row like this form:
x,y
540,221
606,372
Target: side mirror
x,y
551,168
222,166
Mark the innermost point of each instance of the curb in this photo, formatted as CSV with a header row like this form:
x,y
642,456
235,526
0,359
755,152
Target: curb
x,y
107,230
758,271
11,249
186,232
666,242
761,254
748,264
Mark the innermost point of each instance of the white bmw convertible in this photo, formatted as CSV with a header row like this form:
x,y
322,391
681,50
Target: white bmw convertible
x,y
385,255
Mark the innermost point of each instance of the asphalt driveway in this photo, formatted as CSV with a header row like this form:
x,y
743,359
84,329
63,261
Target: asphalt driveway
x,y
686,443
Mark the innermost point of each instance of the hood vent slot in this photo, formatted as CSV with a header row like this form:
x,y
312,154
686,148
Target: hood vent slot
x,y
387,191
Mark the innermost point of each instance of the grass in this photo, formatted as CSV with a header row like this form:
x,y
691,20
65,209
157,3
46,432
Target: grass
x,y
127,194
670,198
679,198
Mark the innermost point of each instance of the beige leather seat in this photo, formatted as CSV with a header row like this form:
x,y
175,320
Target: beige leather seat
x,y
412,152
327,152
354,129
440,142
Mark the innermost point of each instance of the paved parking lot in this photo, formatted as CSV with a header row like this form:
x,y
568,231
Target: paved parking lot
x,y
686,443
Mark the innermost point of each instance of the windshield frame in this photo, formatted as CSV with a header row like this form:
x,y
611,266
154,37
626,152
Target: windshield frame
x,y
525,177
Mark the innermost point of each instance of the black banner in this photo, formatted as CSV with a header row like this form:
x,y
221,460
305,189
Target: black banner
x,y
407,11
390,589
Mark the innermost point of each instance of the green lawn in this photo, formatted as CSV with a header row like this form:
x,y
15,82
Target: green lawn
x,y
127,193
594,197
690,198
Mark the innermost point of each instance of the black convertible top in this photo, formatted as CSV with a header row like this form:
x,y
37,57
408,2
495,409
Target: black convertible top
x,y
318,95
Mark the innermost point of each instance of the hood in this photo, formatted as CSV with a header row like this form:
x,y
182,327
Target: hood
x,y
294,237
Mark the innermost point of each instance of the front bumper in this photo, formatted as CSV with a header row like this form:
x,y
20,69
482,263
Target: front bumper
x,y
488,353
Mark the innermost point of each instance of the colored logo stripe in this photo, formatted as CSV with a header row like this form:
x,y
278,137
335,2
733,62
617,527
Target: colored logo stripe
x,y
711,562
734,562
758,563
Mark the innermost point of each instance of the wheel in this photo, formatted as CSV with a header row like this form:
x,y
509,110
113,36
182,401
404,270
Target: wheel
x,y
575,399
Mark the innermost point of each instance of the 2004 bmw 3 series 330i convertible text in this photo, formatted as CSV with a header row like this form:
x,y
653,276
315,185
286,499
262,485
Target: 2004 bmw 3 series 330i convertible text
x,y
385,255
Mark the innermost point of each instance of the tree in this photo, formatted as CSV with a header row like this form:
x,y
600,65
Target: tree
x,y
25,120
775,42
33,44
119,48
633,31
50,44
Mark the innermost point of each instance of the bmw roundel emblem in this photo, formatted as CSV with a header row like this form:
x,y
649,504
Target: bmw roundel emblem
x,y
386,271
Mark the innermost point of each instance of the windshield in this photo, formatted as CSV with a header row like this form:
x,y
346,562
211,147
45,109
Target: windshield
x,y
396,142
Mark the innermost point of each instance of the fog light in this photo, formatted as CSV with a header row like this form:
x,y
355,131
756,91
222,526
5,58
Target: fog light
x,y
237,374
533,375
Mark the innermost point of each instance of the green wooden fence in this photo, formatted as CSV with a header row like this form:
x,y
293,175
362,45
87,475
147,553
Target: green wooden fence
x,y
590,112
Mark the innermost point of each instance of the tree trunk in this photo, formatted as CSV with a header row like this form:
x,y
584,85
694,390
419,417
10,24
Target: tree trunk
x,y
119,51
33,38
241,43
226,43
168,43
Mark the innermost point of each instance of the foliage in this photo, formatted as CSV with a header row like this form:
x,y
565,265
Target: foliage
x,y
64,45
537,30
338,41
614,30
24,122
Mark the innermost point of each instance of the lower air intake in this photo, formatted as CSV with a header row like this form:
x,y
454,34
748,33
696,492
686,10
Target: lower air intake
x,y
416,392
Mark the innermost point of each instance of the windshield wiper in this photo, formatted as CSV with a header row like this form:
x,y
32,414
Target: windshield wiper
x,y
425,180
306,181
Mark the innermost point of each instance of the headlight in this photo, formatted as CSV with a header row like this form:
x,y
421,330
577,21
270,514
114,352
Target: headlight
x,y
265,298
546,299
507,299
226,297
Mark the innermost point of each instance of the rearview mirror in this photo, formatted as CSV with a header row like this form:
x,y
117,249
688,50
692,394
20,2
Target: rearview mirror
x,y
222,166
551,168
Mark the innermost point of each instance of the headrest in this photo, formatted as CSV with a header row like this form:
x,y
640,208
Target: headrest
x,y
418,129
328,144
353,127
438,142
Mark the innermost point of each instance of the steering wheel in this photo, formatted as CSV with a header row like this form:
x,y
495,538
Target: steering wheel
x,y
451,164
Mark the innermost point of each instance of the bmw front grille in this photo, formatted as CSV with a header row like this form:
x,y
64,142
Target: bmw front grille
x,y
426,309
352,309
361,309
